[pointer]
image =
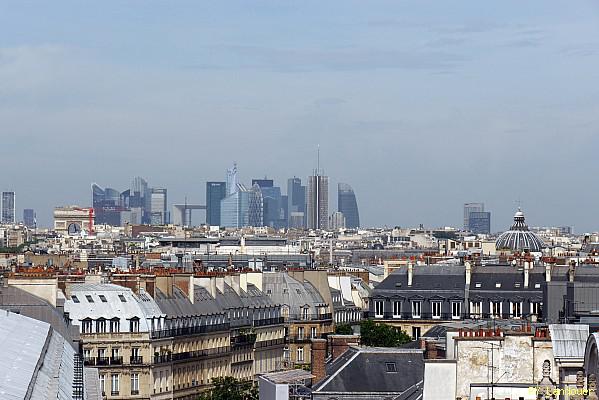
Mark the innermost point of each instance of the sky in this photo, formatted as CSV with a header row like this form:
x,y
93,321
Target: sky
x,y
419,105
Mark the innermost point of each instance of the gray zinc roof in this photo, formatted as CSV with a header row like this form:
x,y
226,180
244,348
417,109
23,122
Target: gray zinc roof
x,y
569,340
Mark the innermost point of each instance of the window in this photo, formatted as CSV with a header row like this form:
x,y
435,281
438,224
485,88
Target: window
x,y
300,354
86,326
116,352
436,309
115,325
397,309
268,291
286,353
498,285
495,309
114,384
89,298
134,383
379,307
75,299
391,367
300,333
103,384
305,313
537,285
101,325
478,285
535,308
313,332
101,352
516,310
456,309
416,309
476,309
415,332
134,325
122,298
87,354
103,298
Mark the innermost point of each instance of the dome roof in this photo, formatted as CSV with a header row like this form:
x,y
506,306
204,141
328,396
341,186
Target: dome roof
x,y
519,238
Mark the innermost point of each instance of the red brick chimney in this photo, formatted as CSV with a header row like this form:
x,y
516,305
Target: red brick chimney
x,y
340,343
319,355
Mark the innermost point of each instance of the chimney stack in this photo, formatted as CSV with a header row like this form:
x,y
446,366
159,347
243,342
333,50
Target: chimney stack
x,y
468,272
548,272
410,273
572,271
526,273
319,355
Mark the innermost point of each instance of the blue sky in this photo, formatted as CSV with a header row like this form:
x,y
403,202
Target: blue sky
x,y
419,105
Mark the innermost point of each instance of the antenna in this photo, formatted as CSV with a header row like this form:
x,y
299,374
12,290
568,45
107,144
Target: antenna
x,y
318,160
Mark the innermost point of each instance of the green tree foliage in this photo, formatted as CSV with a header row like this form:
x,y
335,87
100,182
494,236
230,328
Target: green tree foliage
x,y
344,329
229,388
380,335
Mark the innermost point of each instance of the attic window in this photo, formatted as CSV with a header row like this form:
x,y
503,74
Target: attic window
x,y
398,284
75,299
498,285
268,291
122,298
537,285
391,367
103,298
89,298
478,284
298,291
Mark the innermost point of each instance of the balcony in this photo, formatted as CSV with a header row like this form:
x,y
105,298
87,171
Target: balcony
x,y
302,338
268,321
309,317
243,340
89,361
102,361
190,355
134,392
116,361
270,343
136,360
187,331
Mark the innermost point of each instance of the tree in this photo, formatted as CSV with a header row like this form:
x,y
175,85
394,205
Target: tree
x,y
229,388
380,335
344,329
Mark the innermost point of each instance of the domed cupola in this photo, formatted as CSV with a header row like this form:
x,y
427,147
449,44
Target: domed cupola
x,y
519,238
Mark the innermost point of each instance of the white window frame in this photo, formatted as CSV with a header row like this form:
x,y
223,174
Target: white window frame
x,y
115,383
300,333
300,354
535,308
135,382
416,309
476,309
103,383
516,309
379,308
436,308
456,305
313,332
396,308
492,312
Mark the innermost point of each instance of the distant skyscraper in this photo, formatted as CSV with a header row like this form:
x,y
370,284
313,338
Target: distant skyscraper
x,y
338,220
232,180
479,222
318,202
271,199
347,204
241,208
158,206
29,218
296,203
107,205
469,208
215,192
8,208
139,201
263,183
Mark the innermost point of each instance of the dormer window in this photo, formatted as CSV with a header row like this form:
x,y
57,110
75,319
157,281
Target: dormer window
x,y
89,298
75,299
478,285
103,298
122,298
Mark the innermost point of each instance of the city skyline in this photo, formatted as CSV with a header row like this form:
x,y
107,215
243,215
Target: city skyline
x,y
495,106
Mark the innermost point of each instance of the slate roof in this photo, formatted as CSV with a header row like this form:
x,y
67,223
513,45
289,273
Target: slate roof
x,y
346,374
